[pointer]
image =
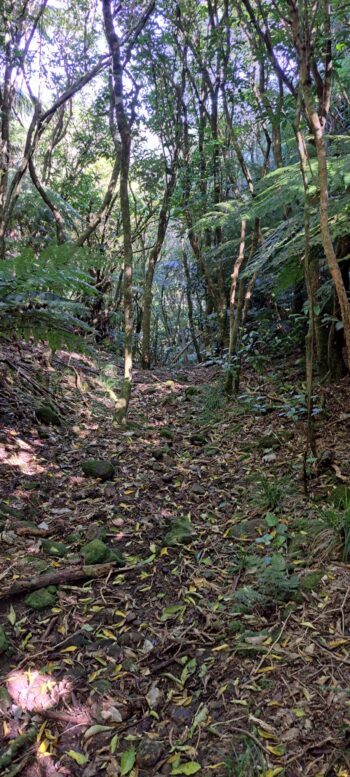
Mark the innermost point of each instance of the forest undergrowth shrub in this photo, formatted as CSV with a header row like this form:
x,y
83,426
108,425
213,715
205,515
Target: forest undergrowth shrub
x,y
214,402
323,538
271,493
48,296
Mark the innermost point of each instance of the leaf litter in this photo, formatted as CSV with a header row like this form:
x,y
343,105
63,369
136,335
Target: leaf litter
x,y
222,639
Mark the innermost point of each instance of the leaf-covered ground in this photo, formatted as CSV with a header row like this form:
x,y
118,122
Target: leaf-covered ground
x,y
219,644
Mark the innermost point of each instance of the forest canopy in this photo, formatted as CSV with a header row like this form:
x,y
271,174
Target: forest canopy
x,y
164,163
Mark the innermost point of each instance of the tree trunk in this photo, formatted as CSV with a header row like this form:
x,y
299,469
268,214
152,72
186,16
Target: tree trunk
x,y
189,302
124,129
152,261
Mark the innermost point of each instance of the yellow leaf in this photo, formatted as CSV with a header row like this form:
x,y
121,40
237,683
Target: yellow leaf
x,y
120,612
274,703
41,731
69,649
241,702
43,747
276,749
298,712
117,672
108,633
308,625
164,552
56,610
216,766
153,547
266,734
266,669
337,642
51,737
219,648
190,600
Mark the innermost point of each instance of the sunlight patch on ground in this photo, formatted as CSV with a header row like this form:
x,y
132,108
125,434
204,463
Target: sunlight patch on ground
x,y
34,692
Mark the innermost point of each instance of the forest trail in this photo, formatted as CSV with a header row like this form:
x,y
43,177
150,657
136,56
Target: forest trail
x,y
195,659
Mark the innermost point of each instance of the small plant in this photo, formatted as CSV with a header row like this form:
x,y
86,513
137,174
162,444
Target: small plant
x,y
214,402
339,521
272,493
250,763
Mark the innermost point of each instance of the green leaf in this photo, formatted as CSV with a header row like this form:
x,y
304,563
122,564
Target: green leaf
x,y
79,758
12,616
271,519
114,743
191,767
169,612
96,729
127,761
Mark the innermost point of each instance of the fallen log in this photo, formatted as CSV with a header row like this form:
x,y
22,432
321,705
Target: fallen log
x,y
64,575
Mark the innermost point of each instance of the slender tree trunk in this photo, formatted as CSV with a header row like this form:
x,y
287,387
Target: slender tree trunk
x,y
189,302
124,128
311,286
47,200
152,261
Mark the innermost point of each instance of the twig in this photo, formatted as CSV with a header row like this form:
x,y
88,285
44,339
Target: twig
x,y
311,746
342,610
6,571
49,649
266,655
246,733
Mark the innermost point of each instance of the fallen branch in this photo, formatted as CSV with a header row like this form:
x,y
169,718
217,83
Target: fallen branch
x,y
66,575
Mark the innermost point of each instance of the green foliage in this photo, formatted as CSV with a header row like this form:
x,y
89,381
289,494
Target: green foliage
x,y
272,493
250,763
44,296
339,521
214,401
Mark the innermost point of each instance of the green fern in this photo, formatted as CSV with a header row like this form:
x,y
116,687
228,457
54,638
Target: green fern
x,y
45,296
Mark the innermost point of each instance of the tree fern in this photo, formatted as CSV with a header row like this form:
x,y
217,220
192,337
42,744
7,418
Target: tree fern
x,y
45,297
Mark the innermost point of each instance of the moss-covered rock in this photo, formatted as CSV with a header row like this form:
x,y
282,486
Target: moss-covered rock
x,y
167,433
73,537
54,548
311,582
181,532
191,391
159,453
44,597
211,450
6,511
47,414
97,468
3,640
198,439
97,552
236,627
35,562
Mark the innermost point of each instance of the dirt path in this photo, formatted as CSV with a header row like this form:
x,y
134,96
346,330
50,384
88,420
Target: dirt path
x,y
194,660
